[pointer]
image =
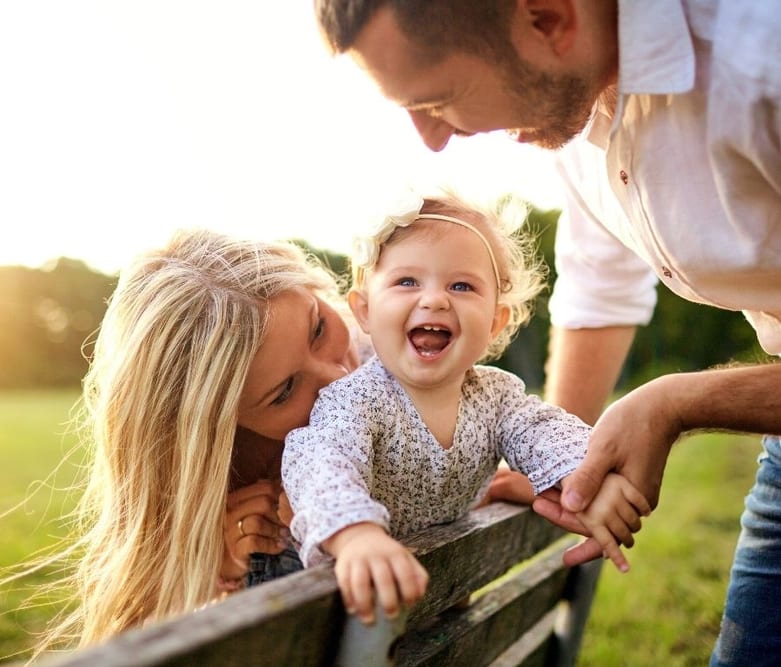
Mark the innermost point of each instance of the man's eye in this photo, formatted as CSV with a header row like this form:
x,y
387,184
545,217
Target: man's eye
x,y
461,287
284,394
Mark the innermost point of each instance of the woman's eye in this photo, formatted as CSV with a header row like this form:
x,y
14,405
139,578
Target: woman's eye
x,y
285,393
461,287
319,329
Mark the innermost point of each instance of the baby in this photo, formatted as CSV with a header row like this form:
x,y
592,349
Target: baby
x,y
413,437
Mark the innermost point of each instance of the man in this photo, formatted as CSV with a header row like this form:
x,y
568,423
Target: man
x,y
668,120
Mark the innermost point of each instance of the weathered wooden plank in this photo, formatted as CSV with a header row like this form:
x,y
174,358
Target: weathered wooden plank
x,y
467,554
533,648
299,619
294,620
479,633
579,594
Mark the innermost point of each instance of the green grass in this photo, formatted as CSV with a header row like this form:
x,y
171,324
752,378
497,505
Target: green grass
x,y
34,440
665,611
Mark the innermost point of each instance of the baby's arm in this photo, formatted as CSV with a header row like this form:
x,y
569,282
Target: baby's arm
x,y
368,560
614,515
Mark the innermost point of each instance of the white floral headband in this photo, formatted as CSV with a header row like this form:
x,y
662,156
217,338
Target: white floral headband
x,y
366,247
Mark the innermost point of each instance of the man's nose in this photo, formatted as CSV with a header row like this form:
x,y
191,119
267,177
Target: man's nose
x,y
435,132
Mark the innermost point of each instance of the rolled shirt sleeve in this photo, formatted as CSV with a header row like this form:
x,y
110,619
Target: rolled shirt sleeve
x,y
601,282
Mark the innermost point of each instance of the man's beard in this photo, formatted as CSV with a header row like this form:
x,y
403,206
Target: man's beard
x,y
557,106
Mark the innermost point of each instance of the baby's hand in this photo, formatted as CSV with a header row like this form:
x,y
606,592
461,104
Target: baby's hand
x,y
614,515
369,560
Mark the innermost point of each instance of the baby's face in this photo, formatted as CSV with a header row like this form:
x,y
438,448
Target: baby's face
x,y
430,304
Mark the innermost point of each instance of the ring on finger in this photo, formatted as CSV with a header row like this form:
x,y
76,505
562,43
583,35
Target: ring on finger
x,y
241,527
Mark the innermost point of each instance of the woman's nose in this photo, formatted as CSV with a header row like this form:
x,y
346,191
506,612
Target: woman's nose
x,y
328,372
435,132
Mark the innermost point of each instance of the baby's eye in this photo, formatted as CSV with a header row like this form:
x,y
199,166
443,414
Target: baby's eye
x,y
407,282
461,287
284,394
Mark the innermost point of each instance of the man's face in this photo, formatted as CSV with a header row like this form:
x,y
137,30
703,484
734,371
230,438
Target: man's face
x,y
464,94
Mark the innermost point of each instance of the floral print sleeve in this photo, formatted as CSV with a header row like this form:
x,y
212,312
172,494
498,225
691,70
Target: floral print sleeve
x,y
327,473
539,439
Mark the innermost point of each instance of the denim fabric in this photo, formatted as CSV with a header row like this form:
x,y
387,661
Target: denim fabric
x,y
265,567
751,627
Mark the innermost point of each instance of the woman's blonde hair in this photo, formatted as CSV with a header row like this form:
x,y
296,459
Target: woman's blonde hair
x,y
521,271
160,408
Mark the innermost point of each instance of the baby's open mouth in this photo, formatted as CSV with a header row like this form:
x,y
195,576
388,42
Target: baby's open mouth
x,y
429,340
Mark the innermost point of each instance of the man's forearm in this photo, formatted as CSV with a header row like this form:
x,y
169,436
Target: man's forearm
x,y
583,367
744,398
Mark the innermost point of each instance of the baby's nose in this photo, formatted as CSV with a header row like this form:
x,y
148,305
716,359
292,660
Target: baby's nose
x,y
434,299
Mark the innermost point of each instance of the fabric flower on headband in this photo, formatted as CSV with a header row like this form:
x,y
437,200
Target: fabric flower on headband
x,y
366,247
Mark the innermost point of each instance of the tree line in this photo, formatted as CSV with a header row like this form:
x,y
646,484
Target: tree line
x,y
50,315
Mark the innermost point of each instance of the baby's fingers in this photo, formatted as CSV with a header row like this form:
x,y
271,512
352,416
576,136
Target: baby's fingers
x,y
384,577
636,498
630,519
411,577
611,549
362,585
619,531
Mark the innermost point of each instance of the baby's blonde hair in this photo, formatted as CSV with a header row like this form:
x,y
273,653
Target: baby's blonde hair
x,y
160,407
522,274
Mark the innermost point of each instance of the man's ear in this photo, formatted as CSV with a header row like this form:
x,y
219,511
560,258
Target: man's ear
x,y
554,20
359,304
501,317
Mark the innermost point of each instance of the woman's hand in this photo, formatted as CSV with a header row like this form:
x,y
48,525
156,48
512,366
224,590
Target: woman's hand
x,y
509,486
252,525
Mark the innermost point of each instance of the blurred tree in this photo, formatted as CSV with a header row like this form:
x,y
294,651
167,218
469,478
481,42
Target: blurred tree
x,y
47,314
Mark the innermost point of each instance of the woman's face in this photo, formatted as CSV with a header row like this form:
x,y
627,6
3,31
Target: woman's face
x,y
307,346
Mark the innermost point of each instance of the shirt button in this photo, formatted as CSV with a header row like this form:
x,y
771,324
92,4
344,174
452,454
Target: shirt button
x,y
667,273
624,178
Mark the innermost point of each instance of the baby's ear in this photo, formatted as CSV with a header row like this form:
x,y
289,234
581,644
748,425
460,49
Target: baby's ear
x,y
501,317
359,304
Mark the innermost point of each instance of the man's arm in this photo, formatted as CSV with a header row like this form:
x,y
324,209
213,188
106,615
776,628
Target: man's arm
x,y
635,434
583,367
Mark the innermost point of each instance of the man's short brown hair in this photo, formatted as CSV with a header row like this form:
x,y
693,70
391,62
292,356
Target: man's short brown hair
x,y
438,27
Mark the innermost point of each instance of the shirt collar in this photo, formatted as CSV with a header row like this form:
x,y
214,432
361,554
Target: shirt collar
x,y
656,54
655,57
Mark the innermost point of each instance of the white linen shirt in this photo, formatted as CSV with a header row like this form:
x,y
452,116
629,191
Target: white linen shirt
x,y
686,176
367,455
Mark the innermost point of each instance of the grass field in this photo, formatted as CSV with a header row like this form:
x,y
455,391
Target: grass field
x,y
665,611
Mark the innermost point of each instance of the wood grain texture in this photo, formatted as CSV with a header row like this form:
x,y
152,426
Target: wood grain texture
x,y
299,619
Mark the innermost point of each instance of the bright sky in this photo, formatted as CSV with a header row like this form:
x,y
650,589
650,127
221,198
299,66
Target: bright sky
x,y
122,121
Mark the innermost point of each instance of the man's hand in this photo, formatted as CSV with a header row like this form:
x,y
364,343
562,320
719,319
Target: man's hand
x,y
368,560
633,437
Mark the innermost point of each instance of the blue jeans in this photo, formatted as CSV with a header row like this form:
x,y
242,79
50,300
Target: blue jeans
x,y
265,567
751,626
